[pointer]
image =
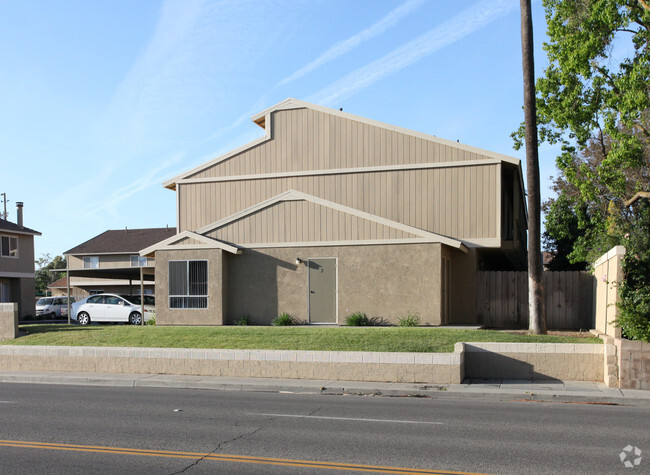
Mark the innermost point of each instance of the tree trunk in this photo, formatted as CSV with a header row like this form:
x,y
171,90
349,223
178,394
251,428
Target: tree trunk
x,y
536,310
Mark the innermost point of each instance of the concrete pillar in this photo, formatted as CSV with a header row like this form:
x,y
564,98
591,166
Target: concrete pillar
x,y
8,321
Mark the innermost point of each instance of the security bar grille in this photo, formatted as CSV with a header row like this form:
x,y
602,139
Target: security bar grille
x,y
188,284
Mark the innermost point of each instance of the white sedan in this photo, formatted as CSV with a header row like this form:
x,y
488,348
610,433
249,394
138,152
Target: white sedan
x,y
114,308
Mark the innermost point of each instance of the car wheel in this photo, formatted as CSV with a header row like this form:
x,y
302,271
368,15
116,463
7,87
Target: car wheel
x,y
135,318
52,316
83,318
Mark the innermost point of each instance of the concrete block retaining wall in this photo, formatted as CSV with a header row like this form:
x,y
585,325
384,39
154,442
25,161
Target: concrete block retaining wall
x,y
563,361
443,368
582,362
633,364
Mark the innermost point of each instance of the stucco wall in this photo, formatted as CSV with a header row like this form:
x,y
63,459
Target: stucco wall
x,y
608,272
8,321
213,315
383,281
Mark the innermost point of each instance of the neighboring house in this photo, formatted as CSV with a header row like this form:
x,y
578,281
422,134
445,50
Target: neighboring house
x,y
110,262
329,214
17,283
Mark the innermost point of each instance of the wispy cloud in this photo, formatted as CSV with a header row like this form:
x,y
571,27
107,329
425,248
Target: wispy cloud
x,y
148,179
344,46
468,21
257,106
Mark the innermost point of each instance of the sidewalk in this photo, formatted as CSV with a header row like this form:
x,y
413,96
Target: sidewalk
x,y
490,390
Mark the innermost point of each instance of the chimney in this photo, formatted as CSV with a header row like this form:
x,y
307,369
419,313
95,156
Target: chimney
x,y
19,213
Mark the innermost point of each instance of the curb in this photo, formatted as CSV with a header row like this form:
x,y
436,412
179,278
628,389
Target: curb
x,y
318,387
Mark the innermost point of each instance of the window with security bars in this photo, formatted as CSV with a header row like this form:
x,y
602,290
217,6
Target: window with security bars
x,y
188,284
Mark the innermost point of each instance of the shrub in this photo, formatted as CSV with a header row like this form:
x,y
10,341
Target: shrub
x,y
634,315
284,319
151,321
357,319
244,320
411,320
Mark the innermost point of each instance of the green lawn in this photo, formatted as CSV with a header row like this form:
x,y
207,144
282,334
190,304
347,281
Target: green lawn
x,y
421,340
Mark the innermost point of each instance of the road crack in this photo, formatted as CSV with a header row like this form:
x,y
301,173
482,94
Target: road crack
x,y
217,448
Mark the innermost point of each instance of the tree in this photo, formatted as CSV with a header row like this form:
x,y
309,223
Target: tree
x,y
45,274
634,315
594,100
563,221
585,96
580,227
536,313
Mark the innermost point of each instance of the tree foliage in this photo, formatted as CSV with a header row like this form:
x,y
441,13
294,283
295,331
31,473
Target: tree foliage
x,y
579,228
45,274
634,315
594,100
585,90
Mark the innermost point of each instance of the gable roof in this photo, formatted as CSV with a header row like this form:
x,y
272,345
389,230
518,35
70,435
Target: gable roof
x,y
264,118
10,227
122,241
405,233
189,240
61,283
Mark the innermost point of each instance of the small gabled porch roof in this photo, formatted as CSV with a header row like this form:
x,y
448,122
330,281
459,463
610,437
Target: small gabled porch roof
x,y
189,240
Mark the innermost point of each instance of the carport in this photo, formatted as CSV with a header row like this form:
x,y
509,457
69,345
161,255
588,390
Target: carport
x,y
141,274
114,255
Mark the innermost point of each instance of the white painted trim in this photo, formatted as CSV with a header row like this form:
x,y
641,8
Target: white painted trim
x,y
17,275
171,183
499,200
22,233
17,256
613,252
178,210
483,242
293,195
207,243
121,253
104,282
365,242
245,212
291,103
342,171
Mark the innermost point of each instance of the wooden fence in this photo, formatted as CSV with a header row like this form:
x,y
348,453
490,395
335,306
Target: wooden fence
x,y
502,300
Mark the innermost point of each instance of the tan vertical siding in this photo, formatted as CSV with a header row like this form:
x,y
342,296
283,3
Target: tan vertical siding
x,y
305,139
302,221
460,202
105,261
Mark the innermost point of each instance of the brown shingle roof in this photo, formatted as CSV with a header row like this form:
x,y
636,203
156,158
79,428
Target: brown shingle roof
x,y
58,284
123,241
12,227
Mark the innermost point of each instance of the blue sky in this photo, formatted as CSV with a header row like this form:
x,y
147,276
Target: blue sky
x,y
104,100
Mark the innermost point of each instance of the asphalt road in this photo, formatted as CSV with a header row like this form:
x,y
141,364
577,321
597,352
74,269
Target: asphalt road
x,y
77,429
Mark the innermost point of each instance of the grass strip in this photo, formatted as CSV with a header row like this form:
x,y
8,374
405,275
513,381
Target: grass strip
x,y
384,339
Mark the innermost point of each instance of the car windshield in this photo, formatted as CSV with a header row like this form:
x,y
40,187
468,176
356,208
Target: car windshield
x,y
135,299
47,301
